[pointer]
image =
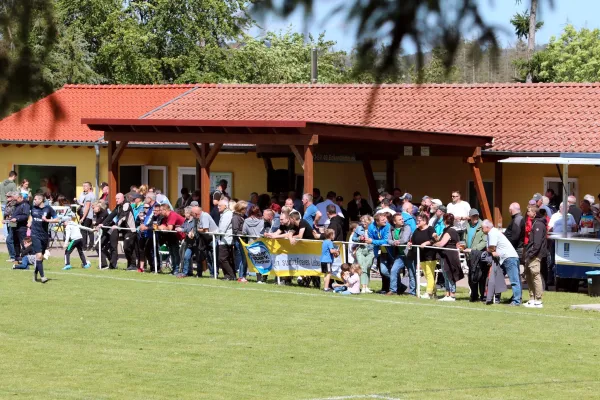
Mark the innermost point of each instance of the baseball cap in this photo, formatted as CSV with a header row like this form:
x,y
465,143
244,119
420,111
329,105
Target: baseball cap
x,y
437,201
532,202
537,197
194,204
473,212
406,196
442,208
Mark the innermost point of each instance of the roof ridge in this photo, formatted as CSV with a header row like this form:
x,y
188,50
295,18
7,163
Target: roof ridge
x,y
128,86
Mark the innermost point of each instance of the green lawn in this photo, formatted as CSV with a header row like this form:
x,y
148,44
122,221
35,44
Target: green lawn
x,y
90,334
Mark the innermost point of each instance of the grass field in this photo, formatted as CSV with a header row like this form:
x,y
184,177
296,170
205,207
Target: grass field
x,y
90,334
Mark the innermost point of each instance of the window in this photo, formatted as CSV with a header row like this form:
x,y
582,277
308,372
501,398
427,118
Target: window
x,y
58,179
556,185
151,175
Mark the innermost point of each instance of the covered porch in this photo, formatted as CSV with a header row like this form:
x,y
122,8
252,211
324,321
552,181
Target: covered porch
x,y
298,140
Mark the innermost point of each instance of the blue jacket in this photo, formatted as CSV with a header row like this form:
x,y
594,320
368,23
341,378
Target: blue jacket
x,y
379,235
409,220
21,214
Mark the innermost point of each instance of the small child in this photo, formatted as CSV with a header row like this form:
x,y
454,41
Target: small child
x,y
73,240
345,274
354,280
328,253
27,255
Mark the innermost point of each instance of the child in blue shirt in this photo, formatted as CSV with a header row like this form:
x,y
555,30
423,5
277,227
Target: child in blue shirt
x,y
328,253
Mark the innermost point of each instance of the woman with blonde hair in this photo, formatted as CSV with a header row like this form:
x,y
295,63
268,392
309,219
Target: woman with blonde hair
x,y
143,190
364,253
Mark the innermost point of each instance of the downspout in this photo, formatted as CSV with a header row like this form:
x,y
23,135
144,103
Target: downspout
x,y
97,148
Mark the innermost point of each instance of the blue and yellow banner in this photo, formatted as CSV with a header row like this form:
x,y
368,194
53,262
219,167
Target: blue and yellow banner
x,y
282,258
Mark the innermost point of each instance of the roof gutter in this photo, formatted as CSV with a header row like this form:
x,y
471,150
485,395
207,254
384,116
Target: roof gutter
x,y
49,143
521,153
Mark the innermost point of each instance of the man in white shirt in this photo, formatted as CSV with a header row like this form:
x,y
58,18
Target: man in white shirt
x,y
385,208
322,208
556,223
499,246
460,209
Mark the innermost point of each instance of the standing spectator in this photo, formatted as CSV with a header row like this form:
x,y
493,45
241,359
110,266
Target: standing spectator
x,y
438,222
252,202
556,224
460,209
476,241
185,199
399,236
317,196
7,211
424,236
41,216
336,223
515,233
8,185
189,246
121,217
237,225
73,240
552,199
451,268
105,192
587,224
19,218
378,233
254,225
323,219
573,209
339,200
225,255
539,199
25,190
100,215
407,204
358,207
214,211
385,208
364,253
297,202
499,246
171,221
271,221
310,210
328,253
535,252
87,214
206,225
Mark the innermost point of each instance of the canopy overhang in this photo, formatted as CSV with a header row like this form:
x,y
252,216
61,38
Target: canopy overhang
x,y
552,160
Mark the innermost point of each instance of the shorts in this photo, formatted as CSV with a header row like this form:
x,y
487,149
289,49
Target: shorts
x,y
39,245
326,268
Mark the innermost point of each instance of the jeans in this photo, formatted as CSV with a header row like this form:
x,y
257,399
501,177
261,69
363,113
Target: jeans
x,y
510,266
10,242
24,264
393,273
412,275
239,258
175,256
187,262
340,289
449,283
4,227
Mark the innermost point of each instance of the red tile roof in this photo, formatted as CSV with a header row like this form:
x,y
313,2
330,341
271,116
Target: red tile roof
x,y
520,117
37,122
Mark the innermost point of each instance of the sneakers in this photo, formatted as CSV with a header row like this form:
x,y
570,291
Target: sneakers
x,y
133,268
141,270
366,290
12,260
103,267
67,267
260,282
425,296
44,280
47,255
534,304
448,298
88,265
390,293
242,280
327,290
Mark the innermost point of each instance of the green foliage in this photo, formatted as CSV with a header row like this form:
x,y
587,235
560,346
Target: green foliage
x,y
573,57
436,71
520,21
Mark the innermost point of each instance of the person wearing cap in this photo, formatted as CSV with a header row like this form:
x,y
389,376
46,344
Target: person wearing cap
x,y
407,204
358,207
460,209
105,192
137,204
539,200
476,240
438,223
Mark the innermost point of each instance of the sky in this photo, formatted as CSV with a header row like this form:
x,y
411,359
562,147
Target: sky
x,y
580,13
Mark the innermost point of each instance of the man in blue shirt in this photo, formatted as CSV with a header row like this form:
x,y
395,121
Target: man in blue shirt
x,y
41,217
311,214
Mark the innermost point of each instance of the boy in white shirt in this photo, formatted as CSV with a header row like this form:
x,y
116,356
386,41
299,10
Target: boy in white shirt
x,y
73,240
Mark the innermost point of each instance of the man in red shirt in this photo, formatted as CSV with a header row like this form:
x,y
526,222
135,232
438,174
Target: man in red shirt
x,y
172,220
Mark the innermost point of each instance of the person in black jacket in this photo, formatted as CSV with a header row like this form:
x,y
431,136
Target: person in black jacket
x,y
358,207
535,252
237,224
336,223
515,233
340,202
124,215
20,216
100,215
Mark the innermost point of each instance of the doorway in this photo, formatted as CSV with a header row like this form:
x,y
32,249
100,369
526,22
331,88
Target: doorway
x,y
151,175
186,178
472,196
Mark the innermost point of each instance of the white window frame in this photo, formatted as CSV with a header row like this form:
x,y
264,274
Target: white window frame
x,y
146,168
184,171
575,182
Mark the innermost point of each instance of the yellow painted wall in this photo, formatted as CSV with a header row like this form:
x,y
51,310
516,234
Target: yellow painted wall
x,y
434,176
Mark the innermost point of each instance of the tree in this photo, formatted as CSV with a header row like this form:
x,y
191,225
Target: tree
x,y
574,57
436,71
520,22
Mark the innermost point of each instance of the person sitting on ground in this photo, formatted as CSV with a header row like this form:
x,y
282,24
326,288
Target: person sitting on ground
x,y
73,240
344,276
328,253
27,255
354,280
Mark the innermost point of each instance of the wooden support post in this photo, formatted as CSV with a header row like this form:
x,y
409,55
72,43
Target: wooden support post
x,y
198,175
308,169
113,175
498,194
298,153
389,175
474,161
370,181
205,198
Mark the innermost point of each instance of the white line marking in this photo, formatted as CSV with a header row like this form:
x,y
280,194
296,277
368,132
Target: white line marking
x,y
424,303
359,396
